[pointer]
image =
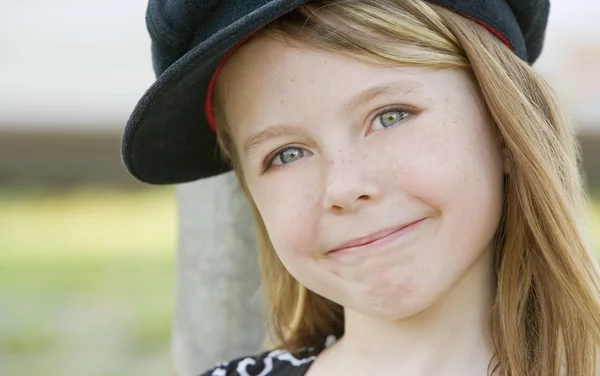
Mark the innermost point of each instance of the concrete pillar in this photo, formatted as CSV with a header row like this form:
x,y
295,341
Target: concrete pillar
x,y
218,313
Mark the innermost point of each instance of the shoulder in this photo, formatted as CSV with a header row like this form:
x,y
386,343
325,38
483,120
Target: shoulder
x,y
276,362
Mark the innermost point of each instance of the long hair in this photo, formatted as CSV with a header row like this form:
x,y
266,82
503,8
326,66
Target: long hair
x,y
545,317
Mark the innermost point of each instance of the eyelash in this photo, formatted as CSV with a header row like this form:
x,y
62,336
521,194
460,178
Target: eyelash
x,y
268,163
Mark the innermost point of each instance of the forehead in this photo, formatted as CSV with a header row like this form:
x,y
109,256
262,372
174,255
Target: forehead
x,y
267,66
269,80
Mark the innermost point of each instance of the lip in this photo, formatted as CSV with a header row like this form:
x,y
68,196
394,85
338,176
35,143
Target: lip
x,y
375,239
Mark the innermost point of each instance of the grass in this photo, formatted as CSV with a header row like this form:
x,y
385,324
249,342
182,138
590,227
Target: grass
x,y
86,223
86,280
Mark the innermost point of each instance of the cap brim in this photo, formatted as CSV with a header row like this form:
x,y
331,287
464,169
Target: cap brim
x,y
167,139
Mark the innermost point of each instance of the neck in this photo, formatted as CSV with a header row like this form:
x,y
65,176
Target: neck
x,y
450,337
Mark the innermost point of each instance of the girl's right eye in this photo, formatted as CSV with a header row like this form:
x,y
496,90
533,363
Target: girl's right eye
x,y
286,156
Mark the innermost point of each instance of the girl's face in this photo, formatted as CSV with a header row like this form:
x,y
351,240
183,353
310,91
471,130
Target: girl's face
x,y
337,154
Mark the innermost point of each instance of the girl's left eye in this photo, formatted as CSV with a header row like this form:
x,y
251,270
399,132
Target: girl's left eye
x,y
389,118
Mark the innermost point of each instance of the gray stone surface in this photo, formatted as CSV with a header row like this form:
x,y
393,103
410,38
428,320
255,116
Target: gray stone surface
x,y
218,312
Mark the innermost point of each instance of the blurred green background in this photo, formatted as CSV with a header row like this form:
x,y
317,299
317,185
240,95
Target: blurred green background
x,y
87,264
86,281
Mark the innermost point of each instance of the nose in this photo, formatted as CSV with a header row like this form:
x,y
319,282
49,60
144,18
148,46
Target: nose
x,y
348,186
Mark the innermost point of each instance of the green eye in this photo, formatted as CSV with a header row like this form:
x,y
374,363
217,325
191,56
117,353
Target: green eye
x,y
289,155
284,156
390,118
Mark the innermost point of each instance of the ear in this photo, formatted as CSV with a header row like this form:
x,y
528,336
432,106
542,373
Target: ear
x,y
505,160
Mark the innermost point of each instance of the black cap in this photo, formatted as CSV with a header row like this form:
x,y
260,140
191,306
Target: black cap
x,y
167,139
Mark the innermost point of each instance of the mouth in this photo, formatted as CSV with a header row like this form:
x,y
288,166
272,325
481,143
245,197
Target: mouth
x,y
376,239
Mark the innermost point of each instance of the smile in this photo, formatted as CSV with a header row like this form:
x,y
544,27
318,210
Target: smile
x,y
375,240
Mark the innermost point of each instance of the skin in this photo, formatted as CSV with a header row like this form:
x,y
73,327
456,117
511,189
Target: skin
x,y
416,304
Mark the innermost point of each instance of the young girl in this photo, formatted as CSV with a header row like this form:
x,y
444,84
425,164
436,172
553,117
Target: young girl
x,y
415,182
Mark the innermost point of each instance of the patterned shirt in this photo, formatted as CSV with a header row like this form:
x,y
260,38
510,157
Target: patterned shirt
x,y
272,363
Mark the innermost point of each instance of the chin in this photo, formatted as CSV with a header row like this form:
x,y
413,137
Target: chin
x,y
392,301
392,309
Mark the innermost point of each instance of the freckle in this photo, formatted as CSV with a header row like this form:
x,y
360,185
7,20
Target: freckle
x,y
281,101
292,79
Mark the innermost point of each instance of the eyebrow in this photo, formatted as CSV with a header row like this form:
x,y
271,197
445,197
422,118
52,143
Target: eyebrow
x,y
403,87
269,133
397,87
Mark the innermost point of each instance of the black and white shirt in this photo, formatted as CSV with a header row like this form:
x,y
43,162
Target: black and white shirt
x,y
271,363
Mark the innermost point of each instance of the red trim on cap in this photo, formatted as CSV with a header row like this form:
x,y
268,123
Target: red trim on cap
x,y
210,118
490,29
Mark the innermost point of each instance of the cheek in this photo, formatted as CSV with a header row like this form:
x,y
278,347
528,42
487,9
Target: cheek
x,y
290,213
453,166
444,160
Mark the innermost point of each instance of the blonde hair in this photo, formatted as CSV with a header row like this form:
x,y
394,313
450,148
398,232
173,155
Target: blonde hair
x,y
545,318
